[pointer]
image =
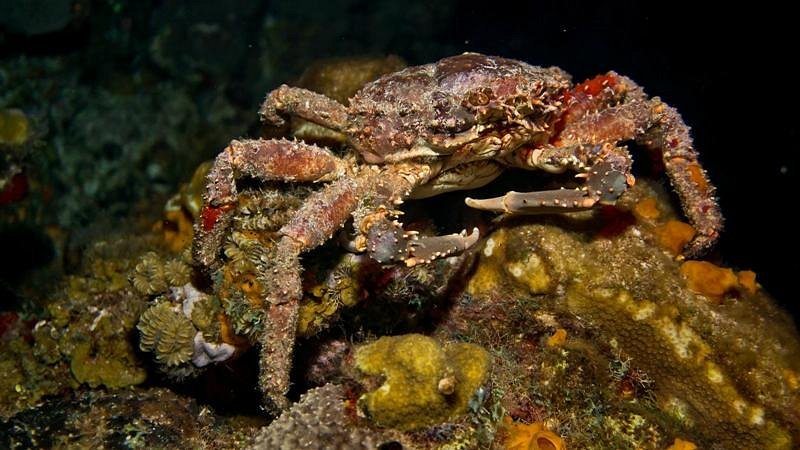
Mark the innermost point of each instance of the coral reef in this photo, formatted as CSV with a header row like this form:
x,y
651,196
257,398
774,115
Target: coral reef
x,y
663,360
86,335
143,418
184,331
590,331
319,420
424,383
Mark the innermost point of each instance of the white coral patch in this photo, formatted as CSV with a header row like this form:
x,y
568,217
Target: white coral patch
x,y
713,373
757,415
682,338
488,248
206,353
644,311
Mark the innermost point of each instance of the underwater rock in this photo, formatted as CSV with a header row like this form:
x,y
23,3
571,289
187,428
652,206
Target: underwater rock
x,y
113,143
423,383
203,39
320,420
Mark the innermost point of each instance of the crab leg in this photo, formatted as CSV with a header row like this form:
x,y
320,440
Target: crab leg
x,y
604,182
292,101
671,137
591,119
658,127
286,161
322,214
266,159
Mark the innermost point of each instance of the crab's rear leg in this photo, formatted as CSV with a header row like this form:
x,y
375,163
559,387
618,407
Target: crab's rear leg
x,y
611,109
671,137
287,101
656,126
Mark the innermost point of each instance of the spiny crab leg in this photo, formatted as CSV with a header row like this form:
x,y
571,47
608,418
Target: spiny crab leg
x,y
274,159
284,161
590,119
289,101
604,184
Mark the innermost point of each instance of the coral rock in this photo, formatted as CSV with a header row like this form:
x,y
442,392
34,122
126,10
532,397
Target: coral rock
x,y
417,372
320,420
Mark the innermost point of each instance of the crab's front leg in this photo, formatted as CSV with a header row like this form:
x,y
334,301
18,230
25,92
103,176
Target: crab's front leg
x,y
605,168
274,159
322,214
380,233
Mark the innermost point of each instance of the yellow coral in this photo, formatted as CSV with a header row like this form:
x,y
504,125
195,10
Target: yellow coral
x,y
94,367
425,383
176,228
182,209
531,272
339,289
747,280
680,444
14,127
167,333
521,436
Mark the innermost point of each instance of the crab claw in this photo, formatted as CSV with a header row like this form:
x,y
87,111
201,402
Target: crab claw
x,y
387,241
427,249
559,200
604,183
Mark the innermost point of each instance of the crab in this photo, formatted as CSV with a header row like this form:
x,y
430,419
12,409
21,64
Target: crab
x,y
452,125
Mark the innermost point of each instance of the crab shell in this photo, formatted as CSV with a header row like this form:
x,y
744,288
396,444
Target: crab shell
x,y
439,109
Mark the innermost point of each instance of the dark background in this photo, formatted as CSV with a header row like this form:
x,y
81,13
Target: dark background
x,y
725,68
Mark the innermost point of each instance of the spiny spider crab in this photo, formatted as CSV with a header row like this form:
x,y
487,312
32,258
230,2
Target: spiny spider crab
x,y
454,124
